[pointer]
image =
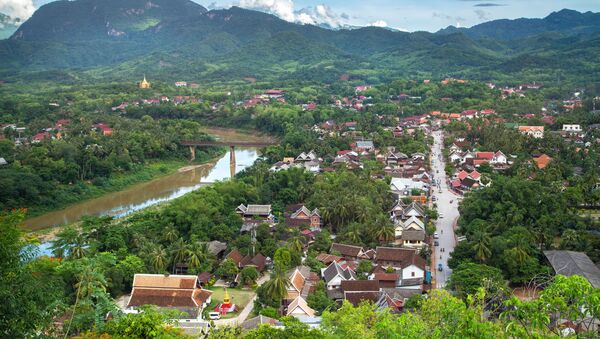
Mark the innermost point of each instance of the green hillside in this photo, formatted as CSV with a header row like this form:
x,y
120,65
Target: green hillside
x,y
173,39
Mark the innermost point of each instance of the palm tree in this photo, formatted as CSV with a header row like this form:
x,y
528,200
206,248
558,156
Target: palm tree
x,y
197,254
276,288
158,258
296,244
79,248
170,233
481,245
179,252
354,233
386,233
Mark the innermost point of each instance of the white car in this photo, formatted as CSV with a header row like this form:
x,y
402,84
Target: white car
x,y
436,235
214,315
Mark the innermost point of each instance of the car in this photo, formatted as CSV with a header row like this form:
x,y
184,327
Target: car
x,y
436,243
434,198
440,267
216,315
436,235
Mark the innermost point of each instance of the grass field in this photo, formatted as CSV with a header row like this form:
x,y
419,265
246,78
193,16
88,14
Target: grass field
x,y
238,297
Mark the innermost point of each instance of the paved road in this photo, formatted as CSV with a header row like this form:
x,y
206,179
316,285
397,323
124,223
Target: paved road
x,y
447,210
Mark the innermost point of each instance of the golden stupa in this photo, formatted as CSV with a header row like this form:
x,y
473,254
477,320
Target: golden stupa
x,y
144,84
226,299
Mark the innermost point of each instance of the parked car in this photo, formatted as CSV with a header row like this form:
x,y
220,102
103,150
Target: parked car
x,y
440,267
216,315
436,235
436,243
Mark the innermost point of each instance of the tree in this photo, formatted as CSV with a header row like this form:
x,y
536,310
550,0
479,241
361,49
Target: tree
x,y
158,258
481,245
198,254
179,252
249,275
28,297
283,258
227,269
149,323
319,301
386,233
276,287
364,267
468,277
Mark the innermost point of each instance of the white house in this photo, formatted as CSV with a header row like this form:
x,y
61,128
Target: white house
x,y
571,128
499,159
334,275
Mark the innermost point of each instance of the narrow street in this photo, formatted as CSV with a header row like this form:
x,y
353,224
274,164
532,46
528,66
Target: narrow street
x,y
447,206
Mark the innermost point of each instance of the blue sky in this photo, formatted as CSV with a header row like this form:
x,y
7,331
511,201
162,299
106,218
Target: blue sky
x,y
409,15
412,15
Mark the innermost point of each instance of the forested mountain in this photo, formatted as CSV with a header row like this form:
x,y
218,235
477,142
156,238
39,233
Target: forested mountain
x,y
566,22
172,39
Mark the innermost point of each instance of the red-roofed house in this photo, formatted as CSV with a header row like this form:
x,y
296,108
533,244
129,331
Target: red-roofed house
x,y
469,114
484,155
40,137
102,127
532,131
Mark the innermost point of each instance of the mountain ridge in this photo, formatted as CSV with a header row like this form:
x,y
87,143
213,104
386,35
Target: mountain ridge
x,y
171,37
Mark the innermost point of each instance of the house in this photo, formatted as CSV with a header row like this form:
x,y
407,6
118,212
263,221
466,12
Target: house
x,y
357,291
275,93
299,215
299,308
469,114
236,257
402,212
297,282
570,263
363,146
403,187
327,259
348,251
179,292
255,322
406,260
39,137
386,280
217,248
571,128
103,128
542,161
254,215
499,159
334,274
532,131
362,88
204,278
180,84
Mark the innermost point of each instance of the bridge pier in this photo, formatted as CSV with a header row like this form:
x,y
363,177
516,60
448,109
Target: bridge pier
x,y
232,164
192,153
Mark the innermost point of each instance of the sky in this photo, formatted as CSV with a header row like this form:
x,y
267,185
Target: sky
x,y
406,15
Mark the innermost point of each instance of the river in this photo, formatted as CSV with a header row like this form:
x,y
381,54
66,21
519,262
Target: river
x,y
140,196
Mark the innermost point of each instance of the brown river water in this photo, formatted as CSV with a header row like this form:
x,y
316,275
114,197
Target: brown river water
x,y
143,195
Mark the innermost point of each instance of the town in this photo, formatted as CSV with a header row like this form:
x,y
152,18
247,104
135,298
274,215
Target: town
x,y
361,205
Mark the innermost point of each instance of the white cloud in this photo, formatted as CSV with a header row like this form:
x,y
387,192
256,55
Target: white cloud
x,y
282,8
286,10
379,23
21,9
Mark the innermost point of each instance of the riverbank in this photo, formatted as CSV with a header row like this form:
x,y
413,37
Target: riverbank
x,y
69,195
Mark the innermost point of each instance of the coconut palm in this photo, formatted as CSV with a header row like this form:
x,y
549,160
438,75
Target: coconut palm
x,y
276,288
198,253
354,233
296,244
79,248
179,251
386,233
481,245
158,258
170,234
